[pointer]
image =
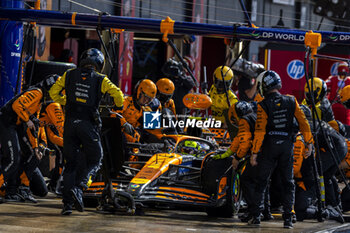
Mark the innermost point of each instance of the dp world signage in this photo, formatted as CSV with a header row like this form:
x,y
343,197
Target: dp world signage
x,y
295,69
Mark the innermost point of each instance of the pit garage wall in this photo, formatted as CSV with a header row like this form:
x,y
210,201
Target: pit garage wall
x,y
43,36
290,66
326,68
196,47
126,48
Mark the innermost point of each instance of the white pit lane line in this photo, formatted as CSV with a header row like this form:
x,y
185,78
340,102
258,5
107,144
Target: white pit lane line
x,y
330,230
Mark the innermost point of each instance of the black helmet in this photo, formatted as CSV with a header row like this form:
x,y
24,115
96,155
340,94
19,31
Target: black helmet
x,y
238,110
172,68
48,81
243,108
267,81
92,57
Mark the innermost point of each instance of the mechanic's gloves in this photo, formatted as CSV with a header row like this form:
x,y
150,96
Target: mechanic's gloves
x,y
228,153
310,150
128,128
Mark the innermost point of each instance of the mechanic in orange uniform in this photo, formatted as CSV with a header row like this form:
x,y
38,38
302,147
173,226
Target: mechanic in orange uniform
x,y
242,114
165,91
305,191
19,109
30,140
52,117
274,138
344,129
32,180
143,100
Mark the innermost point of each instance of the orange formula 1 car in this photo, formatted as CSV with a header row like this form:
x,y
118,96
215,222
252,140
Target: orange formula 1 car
x,y
178,171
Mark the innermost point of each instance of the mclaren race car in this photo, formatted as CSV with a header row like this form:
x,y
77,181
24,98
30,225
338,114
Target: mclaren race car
x,y
178,171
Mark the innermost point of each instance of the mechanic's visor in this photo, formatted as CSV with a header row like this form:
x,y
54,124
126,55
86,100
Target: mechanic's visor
x,y
347,104
163,98
308,97
220,85
144,99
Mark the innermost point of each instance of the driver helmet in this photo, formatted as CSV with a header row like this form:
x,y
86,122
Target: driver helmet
x,y
343,69
191,148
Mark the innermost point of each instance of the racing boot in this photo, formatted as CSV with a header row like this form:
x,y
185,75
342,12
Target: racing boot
x,y
67,209
266,215
287,221
334,214
27,194
254,221
245,217
77,195
14,197
294,217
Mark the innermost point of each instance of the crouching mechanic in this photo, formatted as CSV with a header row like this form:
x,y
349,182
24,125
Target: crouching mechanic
x,y
52,116
344,129
143,100
20,109
84,87
274,136
305,191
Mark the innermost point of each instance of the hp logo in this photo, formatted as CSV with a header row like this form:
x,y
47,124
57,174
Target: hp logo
x,y
295,69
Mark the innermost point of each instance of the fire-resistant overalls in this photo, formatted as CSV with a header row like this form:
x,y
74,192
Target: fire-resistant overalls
x,y
274,135
84,89
19,109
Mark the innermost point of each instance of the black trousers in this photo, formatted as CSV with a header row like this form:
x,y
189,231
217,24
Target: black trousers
x,y
345,199
10,159
276,154
55,173
37,183
29,164
303,203
248,183
80,137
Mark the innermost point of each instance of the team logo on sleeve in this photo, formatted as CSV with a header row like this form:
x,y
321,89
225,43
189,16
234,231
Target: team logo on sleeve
x,y
151,120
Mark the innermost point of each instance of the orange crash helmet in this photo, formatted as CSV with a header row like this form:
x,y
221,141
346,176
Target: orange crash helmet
x,y
345,96
146,91
166,89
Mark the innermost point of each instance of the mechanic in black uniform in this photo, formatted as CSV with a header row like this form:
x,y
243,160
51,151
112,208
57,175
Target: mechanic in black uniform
x,y
84,88
274,136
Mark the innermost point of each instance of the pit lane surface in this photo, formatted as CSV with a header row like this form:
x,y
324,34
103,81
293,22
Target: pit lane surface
x,y
45,217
